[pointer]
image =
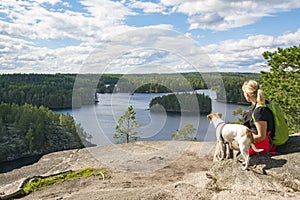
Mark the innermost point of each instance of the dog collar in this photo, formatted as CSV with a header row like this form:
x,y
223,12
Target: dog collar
x,y
220,124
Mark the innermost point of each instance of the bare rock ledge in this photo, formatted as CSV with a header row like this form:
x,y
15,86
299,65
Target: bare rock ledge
x,y
164,170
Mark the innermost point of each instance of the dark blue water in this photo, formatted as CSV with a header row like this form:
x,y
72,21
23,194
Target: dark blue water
x,y
15,164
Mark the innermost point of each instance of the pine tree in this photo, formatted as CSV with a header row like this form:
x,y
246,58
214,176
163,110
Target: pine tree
x,y
186,133
125,127
282,84
30,139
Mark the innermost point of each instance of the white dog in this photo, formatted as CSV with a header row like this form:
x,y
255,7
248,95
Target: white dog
x,y
227,133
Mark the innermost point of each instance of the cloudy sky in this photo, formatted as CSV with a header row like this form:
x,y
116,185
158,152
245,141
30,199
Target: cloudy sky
x,y
73,36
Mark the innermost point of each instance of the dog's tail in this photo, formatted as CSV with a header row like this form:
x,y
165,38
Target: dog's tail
x,y
250,136
255,149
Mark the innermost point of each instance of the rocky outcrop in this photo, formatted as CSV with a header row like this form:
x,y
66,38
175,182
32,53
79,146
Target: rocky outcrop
x,y
165,170
276,176
13,145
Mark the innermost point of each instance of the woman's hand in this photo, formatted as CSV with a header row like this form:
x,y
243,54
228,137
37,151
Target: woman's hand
x,y
261,127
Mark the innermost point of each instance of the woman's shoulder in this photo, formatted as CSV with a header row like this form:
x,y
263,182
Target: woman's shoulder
x,y
262,110
259,108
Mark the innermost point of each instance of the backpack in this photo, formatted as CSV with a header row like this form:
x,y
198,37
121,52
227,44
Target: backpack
x,y
281,128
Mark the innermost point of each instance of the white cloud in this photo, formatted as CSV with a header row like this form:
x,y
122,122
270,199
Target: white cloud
x,y
52,2
34,21
171,2
147,7
138,50
246,54
220,15
18,55
24,24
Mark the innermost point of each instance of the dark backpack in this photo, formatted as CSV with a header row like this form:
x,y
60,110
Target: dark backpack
x,y
281,128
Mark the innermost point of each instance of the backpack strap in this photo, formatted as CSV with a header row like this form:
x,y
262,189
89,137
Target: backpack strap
x,y
256,106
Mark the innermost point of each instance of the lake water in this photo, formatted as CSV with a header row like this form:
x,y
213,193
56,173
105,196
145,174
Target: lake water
x,y
101,119
10,165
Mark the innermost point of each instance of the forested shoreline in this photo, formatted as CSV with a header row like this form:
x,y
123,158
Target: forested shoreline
x,y
61,91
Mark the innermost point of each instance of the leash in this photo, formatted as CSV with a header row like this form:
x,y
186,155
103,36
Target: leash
x,y
221,129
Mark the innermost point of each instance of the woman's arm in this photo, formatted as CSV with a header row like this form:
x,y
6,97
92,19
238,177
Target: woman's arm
x,y
261,127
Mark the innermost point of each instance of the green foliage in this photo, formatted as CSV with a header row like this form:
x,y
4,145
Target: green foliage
x,y
61,91
240,112
125,127
52,91
282,83
39,183
184,102
36,130
186,133
160,83
233,82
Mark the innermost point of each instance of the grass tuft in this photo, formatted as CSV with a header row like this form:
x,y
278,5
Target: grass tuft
x,y
39,183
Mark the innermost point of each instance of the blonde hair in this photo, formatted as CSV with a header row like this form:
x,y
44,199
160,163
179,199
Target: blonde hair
x,y
251,87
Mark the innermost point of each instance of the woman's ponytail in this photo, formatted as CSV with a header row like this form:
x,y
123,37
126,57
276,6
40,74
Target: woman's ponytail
x,y
260,99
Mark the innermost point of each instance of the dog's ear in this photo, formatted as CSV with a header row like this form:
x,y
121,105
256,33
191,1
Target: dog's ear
x,y
209,117
219,115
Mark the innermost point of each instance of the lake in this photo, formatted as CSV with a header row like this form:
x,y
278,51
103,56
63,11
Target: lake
x,y
15,164
100,119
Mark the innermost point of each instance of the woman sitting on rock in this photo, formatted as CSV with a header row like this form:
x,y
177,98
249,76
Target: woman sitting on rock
x,y
259,119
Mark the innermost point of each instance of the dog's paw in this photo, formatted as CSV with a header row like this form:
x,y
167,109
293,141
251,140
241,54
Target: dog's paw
x,y
245,166
220,157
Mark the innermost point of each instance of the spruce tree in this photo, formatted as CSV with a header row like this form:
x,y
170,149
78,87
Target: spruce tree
x,y
125,127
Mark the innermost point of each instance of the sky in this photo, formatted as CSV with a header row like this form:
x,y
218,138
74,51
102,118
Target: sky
x,y
130,36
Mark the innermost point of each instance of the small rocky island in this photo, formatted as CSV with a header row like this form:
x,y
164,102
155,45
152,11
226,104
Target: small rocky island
x,y
182,102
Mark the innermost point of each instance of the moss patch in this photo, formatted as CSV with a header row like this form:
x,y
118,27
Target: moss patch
x,y
42,182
